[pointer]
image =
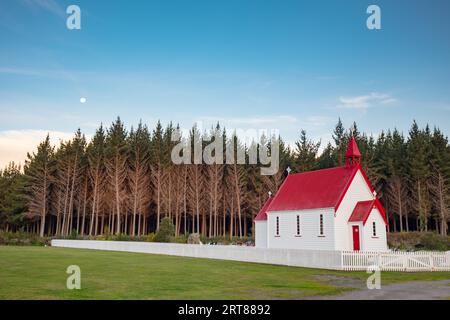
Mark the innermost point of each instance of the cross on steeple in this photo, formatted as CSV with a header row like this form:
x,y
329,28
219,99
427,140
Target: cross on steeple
x,y
352,131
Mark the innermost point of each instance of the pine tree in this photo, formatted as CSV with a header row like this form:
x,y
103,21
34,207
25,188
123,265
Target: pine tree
x,y
139,174
39,169
306,152
196,179
157,173
396,185
116,168
237,182
12,197
339,142
439,180
97,175
326,159
418,172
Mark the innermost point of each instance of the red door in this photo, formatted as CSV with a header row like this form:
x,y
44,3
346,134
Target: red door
x,y
355,238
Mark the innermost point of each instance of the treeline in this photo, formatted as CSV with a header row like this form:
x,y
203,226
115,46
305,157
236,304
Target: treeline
x,y
125,182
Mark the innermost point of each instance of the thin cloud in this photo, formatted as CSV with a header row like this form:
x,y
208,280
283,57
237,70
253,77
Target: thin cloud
x,y
51,6
15,144
365,101
250,121
30,72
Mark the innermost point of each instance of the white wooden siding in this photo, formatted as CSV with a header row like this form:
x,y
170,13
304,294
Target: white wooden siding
x,y
310,237
358,191
261,234
378,243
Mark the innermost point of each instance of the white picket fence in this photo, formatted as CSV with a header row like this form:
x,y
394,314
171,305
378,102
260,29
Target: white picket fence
x,y
287,257
336,260
397,261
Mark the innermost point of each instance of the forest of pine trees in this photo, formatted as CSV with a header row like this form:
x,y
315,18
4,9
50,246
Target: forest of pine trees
x,y
125,182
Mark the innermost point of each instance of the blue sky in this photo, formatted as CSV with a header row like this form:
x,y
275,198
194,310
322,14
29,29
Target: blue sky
x,y
286,65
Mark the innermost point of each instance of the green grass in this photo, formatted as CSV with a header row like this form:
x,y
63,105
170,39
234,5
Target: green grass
x,y
40,273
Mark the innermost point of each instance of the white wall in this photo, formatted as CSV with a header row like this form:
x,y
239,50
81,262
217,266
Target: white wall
x,y
310,238
261,234
350,260
358,191
378,243
299,258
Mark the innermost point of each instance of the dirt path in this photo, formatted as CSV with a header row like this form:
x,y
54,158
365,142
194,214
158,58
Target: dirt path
x,y
420,290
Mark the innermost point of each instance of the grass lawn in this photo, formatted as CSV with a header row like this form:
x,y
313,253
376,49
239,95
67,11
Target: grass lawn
x,y
40,273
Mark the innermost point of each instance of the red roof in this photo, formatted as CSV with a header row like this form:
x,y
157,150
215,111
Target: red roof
x,y
262,215
364,208
352,149
314,189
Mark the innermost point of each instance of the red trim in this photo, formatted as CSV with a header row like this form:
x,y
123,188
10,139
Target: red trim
x,y
363,209
381,210
262,214
357,168
276,195
365,178
344,192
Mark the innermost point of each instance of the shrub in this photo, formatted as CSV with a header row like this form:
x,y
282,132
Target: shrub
x,y
194,238
413,241
166,231
121,237
73,235
23,239
221,240
180,239
150,237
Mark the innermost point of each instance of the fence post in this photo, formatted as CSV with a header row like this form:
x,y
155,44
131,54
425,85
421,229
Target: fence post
x,y
405,262
447,258
430,255
379,260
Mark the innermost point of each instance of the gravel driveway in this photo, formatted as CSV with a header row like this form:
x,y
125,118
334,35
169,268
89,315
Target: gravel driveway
x,y
416,290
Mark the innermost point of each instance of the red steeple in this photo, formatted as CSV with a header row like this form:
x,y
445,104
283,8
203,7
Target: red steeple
x,y
352,155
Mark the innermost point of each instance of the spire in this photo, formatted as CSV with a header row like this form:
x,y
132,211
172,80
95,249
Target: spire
x,y
352,155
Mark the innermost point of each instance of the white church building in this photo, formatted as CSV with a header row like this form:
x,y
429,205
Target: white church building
x,y
328,209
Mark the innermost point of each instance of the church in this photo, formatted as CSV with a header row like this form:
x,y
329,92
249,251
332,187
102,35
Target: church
x,y
328,209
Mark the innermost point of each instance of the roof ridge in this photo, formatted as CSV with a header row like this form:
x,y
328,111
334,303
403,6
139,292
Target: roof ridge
x,y
316,170
277,193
